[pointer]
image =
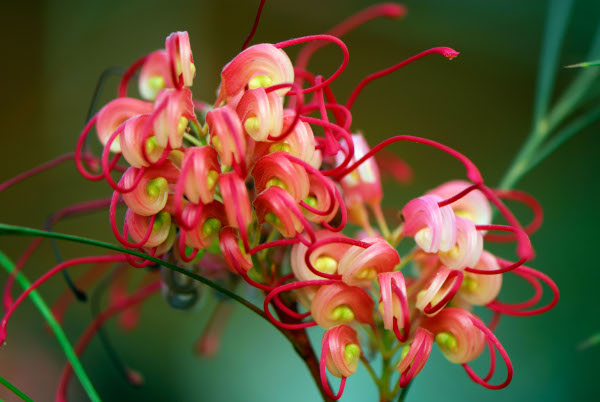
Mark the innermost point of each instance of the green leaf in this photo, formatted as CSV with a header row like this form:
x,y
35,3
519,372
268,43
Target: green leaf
x,y
585,64
556,26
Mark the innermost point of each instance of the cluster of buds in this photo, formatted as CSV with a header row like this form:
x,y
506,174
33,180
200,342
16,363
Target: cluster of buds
x,y
268,178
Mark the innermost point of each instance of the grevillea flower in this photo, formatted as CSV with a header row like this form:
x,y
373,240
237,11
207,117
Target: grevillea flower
x,y
458,338
277,170
343,350
115,113
149,232
320,198
359,266
481,289
203,173
174,108
277,207
394,304
138,144
260,65
227,135
434,228
300,142
338,304
155,75
261,113
468,248
473,206
181,60
363,184
233,251
324,259
249,189
212,218
415,356
235,199
439,290
151,193
340,353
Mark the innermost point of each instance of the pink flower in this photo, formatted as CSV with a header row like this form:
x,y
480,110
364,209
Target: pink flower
x,y
260,65
338,303
434,228
473,206
359,266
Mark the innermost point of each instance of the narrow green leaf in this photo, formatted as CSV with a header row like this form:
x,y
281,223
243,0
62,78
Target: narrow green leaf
x,y
563,135
585,64
556,25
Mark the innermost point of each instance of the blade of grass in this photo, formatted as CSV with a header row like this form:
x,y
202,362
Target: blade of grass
x,y
41,305
556,25
15,390
563,135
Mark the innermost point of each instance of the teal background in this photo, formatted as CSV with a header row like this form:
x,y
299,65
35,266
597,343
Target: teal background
x,y
480,103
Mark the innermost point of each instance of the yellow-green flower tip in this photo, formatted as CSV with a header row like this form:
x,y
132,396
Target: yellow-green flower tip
x,y
272,219
276,182
211,226
446,340
311,201
151,145
326,264
182,124
351,352
162,218
369,273
469,284
260,81
252,125
156,186
342,314
156,83
281,146
211,179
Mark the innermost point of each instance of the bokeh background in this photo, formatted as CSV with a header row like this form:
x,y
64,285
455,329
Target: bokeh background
x,y
480,103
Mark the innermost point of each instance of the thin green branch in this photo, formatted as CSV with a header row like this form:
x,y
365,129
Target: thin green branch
x,y
41,305
15,390
25,231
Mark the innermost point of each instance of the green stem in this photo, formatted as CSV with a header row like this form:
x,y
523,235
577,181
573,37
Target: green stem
x,y
15,390
192,139
55,326
370,370
25,231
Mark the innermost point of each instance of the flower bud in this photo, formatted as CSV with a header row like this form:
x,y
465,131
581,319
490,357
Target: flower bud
x,y
175,109
261,114
339,303
261,65
434,228
181,60
155,75
115,113
359,266
343,350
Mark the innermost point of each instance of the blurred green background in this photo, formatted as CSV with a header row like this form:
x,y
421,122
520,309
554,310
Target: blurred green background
x,y
480,103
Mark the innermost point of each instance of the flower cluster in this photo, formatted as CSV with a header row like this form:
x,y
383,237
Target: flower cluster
x,y
272,179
